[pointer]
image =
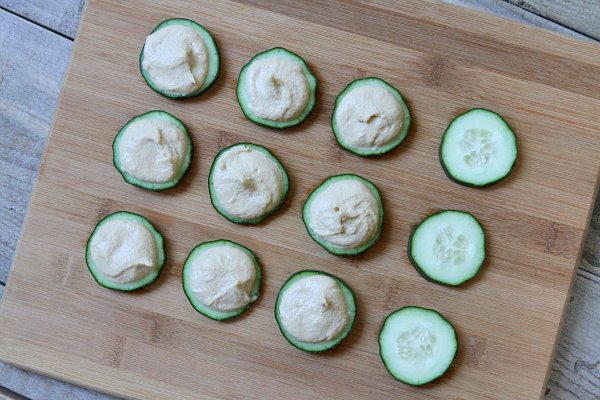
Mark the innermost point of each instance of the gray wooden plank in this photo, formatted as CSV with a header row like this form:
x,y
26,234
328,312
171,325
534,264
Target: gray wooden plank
x,y
508,10
37,387
32,63
61,16
580,15
576,368
590,255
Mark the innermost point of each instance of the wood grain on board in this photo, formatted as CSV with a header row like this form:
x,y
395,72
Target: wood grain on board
x,y
134,344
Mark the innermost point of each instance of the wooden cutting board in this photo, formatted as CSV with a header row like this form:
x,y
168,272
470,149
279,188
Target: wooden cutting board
x,y
56,320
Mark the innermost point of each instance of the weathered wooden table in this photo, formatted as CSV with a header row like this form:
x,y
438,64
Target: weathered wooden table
x,y
36,38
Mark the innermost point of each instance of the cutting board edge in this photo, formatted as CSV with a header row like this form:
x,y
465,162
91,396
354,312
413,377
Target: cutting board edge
x,y
40,168
571,283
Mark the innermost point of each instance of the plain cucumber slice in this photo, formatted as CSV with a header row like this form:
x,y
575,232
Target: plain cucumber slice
x,y
217,204
417,345
379,150
322,346
478,148
203,309
214,62
185,165
448,247
148,279
340,251
243,99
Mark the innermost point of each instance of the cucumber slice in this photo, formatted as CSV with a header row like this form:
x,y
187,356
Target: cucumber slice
x,y
417,345
478,148
243,98
448,247
331,248
214,62
318,346
217,315
220,207
185,164
373,150
146,280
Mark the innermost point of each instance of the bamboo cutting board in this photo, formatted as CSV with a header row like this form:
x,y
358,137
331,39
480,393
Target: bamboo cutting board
x,y
56,320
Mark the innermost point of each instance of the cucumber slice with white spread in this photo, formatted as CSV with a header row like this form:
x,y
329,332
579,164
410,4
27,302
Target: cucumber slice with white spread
x,y
247,183
276,89
180,59
316,306
344,214
370,117
478,148
153,151
417,345
223,273
448,247
125,252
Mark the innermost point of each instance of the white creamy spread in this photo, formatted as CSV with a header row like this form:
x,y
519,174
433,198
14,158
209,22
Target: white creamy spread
x,y
369,117
247,183
222,278
277,88
345,214
176,59
313,309
124,251
152,150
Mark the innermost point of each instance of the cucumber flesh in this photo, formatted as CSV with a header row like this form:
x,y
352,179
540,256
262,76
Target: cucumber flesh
x,y
306,218
185,164
221,209
217,315
146,280
374,151
448,247
478,148
243,98
320,346
214,62
417,345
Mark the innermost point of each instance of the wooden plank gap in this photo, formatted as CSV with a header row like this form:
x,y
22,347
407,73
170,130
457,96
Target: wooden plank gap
x,y
506,9
7,394
590,276
48,28
557,14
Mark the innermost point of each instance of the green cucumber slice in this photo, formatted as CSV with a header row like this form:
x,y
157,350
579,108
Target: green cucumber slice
x,y
214,62
320,346
376,150
448,247
306,218
219,206
217,315
145,281
417,345
478,148
243,99
183,169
